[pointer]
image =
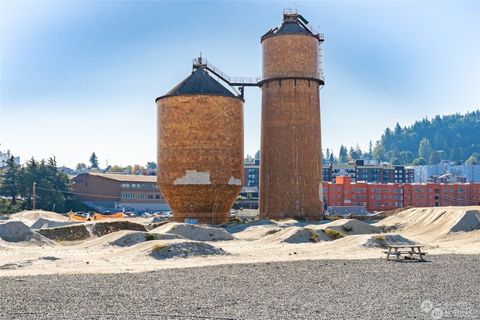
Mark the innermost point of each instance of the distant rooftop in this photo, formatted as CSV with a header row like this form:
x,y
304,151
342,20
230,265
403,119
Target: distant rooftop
x,y
126,177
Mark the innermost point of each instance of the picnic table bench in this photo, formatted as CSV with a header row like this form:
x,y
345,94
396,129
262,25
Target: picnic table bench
x,y
409,251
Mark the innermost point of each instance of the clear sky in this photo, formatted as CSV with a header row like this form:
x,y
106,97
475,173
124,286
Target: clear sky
x,y
78,77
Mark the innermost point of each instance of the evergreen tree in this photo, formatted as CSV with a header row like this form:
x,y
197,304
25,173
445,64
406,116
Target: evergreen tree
x,y
435,157
93,161
331,159
457,153
370,149
152,165
424,149
10,180
343,154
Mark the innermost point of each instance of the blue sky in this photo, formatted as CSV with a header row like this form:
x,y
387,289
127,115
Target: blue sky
x,y
78,77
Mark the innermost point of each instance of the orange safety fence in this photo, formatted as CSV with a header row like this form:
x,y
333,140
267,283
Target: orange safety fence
x,y
99,216
96,216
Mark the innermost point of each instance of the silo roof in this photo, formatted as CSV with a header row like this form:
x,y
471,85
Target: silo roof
x,y
199,82
291,25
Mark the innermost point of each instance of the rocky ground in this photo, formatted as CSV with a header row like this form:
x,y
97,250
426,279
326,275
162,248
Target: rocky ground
x,y
446,287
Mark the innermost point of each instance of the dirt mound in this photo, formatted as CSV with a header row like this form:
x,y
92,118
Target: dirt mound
x,y
105,227
433,222
469,221
382,241
296,235
391,212
257,232
48,223
195,232
184,249
29,217
131,238
239,227
17,231
73,232
351,227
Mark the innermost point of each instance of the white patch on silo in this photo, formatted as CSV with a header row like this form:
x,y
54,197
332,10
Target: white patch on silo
x,y
320,191
194,177
234,181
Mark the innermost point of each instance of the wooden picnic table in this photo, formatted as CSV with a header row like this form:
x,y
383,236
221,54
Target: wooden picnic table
x,y
408,250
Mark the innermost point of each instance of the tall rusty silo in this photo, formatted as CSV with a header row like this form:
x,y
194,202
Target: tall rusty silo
x,y
290,162
200,148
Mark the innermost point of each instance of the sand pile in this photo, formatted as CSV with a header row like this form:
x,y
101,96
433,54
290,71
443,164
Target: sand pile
x,y
257,232
350,227
130,238
127,238
296,235
74,232
433,222
382,241
195,232
183,249
239,227
392,212
30,217
48,223
105,227
17,231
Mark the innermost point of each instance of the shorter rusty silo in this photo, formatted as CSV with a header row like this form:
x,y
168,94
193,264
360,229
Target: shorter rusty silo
x,y
200,148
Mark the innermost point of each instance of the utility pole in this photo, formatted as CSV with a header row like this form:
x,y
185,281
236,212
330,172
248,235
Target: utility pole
x,y
34,194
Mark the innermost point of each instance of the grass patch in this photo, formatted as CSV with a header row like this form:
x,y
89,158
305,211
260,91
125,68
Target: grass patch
x,y
149,237
159,247
272,231
379,238
333,218
313,235
333,234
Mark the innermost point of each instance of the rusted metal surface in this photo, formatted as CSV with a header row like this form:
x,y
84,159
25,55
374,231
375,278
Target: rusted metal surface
x,y
290,163
200,155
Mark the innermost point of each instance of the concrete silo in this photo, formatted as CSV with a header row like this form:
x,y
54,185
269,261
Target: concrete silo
x,y
290,162
200,148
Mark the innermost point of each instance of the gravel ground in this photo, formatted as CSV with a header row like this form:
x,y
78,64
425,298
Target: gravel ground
x,y
447,287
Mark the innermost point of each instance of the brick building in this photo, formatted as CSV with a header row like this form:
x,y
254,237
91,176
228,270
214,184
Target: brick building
x,y
118,192
380,196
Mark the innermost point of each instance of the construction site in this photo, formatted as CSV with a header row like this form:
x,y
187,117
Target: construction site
x,y
205,264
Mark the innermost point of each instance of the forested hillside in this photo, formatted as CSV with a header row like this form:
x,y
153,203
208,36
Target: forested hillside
x,y
453,137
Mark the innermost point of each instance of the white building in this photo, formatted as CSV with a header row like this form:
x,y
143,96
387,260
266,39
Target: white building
x,y
425,173
4,156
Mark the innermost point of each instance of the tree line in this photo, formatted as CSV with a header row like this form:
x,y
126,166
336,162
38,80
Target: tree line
x,y
136,169
52,187
452,137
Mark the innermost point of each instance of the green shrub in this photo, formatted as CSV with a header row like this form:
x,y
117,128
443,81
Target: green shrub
x,y
347,228
333,234
313,235
149,237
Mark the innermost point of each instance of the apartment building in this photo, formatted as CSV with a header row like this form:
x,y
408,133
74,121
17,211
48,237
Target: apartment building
x,y
380,196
